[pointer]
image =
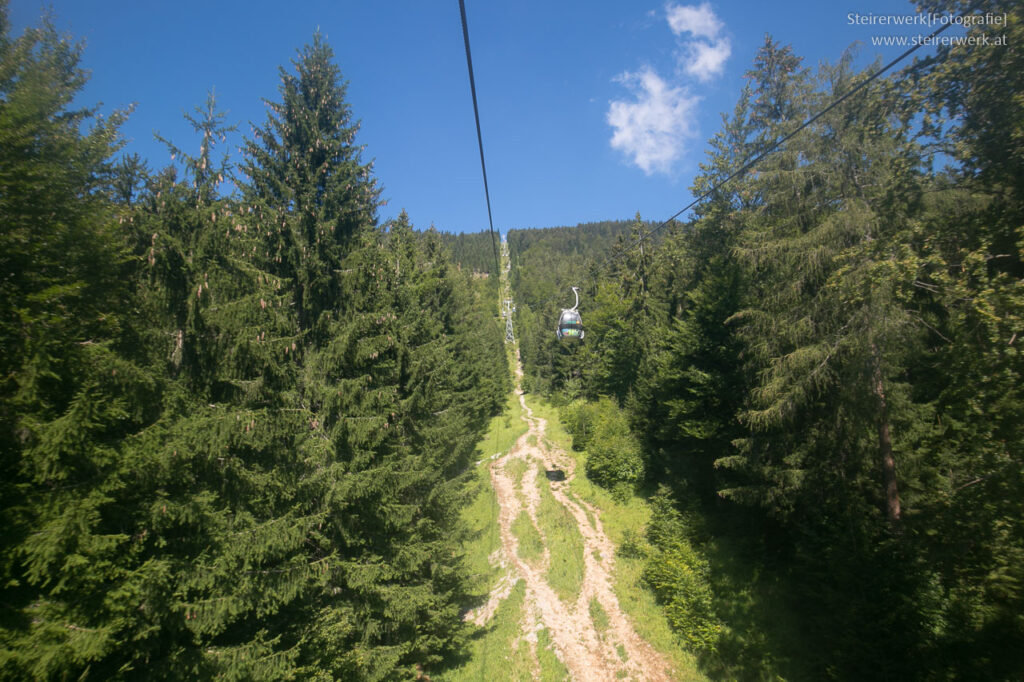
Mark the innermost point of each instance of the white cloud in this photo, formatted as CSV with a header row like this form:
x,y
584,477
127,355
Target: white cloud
x,y
653,129
702,56
700,20
706,60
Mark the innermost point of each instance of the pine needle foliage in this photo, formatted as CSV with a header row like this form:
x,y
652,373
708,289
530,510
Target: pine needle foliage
x,y
254,469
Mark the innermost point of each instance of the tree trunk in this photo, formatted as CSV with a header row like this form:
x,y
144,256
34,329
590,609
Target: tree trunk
x,y
892,492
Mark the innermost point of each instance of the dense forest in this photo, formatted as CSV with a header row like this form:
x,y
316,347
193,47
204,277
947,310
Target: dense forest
x,y
475,251
817,378
238,410
234,427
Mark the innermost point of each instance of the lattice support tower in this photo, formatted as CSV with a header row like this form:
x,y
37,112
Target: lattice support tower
x,y
510,308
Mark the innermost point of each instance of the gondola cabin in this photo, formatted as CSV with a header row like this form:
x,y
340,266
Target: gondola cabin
x,y
570,324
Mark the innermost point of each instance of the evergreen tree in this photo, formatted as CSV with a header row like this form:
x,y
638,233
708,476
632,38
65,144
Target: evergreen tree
x,y
73,388
616,325
969,281
690,380
474,251
308,183
234,433
219,483
388,390
397,408
832,319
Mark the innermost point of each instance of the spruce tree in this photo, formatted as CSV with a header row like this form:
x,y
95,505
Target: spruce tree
x,y
387,390
615,339
396,396
969,283
307,182
830,332
689,386
74,387
235,432
834,329
218,481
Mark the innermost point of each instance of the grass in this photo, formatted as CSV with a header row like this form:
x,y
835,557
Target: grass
x,y
531,546
481,540
586,510
497,652
649,620
598,616
565,572
491,652
480,516
765,638
504,429
550,667
516,468
617,518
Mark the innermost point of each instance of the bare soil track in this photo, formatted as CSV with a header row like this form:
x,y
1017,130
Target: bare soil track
x,y
610,651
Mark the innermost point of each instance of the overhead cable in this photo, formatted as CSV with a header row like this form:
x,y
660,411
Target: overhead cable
x,y
479,136
775,146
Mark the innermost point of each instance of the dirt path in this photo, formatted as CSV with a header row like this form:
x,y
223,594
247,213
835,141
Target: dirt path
x,y
612,652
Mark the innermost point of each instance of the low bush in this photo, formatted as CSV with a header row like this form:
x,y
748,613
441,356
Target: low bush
x,y
680,577
614,458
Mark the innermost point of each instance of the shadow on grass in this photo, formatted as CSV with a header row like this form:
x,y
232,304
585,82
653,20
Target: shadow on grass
x,y
555,474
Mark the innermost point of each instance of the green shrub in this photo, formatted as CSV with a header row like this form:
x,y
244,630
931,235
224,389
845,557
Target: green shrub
x,y
578,418
633,545
680,577
614,458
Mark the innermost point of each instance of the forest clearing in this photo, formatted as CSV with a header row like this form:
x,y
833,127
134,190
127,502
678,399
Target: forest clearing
x,y
587,629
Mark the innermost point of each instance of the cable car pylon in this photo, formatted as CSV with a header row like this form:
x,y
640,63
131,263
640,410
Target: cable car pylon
x,y
510,308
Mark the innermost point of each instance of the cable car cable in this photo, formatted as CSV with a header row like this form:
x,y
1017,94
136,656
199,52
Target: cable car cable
x,y
479,136
775,146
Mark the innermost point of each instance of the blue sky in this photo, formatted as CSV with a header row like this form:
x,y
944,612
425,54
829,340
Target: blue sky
x,y
591,110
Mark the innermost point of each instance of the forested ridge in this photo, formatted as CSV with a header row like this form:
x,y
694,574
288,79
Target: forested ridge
x,y
235,426
239,412
816,380
475,251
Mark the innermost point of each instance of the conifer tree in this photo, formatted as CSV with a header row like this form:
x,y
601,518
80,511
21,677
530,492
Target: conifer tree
x,y
615,340
73,387
219,483
836,320
689,384
830,332
307,181
387,390
969,281
396,396
234,433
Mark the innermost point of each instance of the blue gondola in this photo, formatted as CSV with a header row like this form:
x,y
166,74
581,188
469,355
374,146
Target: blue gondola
x,y
570,324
